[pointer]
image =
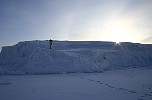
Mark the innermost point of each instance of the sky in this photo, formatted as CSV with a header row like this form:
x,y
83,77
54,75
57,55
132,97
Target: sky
x,y
84,20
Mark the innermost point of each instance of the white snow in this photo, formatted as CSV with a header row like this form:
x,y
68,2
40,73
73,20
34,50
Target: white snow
x,y
128,84
125,71
35,57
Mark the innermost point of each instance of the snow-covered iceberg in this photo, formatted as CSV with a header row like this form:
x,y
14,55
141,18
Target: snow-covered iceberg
x,y
35,57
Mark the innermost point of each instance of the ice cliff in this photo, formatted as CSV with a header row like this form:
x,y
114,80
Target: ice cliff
x,y
35,57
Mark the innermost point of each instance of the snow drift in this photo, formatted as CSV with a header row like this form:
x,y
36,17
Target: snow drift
x,y
35,57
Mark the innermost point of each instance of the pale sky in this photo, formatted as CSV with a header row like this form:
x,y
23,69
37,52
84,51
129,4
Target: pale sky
x,y
93,20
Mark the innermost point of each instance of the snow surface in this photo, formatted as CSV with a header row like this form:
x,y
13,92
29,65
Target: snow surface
x,y
35,57
126,84
125,71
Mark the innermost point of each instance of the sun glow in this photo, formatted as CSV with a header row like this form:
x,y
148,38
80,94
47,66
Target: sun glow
x,y
117,42
117,30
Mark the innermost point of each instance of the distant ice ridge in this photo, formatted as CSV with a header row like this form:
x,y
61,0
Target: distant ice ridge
x,y
35,57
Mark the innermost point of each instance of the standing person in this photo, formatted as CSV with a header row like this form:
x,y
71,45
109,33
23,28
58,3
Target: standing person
x,y
50,43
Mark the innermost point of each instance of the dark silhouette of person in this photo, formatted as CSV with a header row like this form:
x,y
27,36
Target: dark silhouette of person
x,y
50,43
